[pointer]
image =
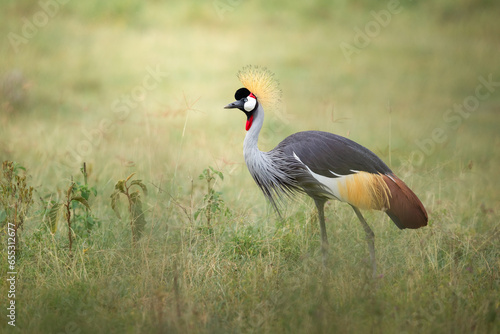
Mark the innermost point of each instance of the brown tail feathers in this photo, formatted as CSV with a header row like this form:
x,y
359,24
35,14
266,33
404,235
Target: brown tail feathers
x,y
405,210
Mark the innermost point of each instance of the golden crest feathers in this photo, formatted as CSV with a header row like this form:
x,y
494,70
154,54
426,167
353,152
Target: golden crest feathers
x,y
261,82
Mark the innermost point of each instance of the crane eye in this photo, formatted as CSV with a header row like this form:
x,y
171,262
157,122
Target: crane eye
x,y
250,104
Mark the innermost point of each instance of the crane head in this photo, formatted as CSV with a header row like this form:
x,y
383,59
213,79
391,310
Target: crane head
x,y
246,102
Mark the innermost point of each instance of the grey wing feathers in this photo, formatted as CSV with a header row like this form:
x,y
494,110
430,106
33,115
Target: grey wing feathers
x,y
324,153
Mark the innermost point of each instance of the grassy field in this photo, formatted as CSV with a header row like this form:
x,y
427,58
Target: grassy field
x,y
139,87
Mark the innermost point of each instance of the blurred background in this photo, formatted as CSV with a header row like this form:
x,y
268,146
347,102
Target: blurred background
x,y
141,84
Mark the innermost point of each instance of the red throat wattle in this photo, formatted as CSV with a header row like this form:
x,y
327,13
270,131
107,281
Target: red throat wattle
x,y
249,123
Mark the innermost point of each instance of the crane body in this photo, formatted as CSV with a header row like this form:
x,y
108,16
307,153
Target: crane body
x,y
323,166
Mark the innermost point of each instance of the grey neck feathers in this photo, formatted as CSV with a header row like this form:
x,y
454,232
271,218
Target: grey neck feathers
x,y
270,170
250,146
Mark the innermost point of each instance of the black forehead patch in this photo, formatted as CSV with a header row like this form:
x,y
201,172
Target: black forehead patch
x,y
241,93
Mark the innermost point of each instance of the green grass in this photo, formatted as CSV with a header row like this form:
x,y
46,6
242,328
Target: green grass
x,y
250,271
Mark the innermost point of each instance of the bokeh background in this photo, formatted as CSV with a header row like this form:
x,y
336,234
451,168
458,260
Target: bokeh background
x,y
139,86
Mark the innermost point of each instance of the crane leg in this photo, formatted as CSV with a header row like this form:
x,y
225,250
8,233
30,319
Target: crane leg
x,y
320,205
370,238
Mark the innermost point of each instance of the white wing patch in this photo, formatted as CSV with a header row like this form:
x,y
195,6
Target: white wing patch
x,y
330,183
337,175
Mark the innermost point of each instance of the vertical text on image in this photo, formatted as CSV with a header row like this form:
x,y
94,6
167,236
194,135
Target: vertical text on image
x,y
11,274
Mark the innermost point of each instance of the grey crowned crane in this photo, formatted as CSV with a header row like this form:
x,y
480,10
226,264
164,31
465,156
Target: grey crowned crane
x,y
322,165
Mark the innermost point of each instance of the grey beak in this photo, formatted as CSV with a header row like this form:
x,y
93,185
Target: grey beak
x,y
236,104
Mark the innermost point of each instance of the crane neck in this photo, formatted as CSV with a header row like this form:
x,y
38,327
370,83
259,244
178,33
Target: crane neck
x,y
250,145
270,170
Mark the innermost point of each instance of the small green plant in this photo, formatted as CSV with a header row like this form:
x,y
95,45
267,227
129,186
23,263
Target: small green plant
x,y
137,218
84,221
54,208
212,201
68,206
80,220
16,198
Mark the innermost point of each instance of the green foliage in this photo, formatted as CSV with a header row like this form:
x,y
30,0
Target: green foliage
x,y
213,203
16,198
137,217
75,207
68,205
83,221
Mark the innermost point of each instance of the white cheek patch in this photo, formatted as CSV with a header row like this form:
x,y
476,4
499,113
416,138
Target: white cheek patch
x,y
250,104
